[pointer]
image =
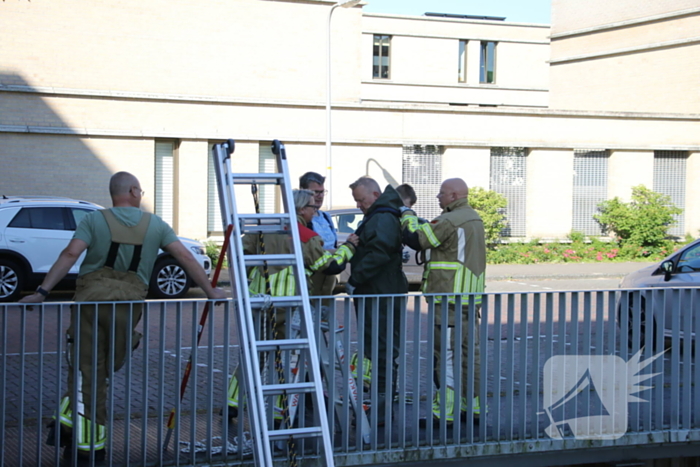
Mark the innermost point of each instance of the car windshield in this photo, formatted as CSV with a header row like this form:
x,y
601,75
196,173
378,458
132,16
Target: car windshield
x,y
347,223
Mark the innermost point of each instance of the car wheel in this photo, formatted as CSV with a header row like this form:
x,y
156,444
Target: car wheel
x,y
169,279
643,329
11,281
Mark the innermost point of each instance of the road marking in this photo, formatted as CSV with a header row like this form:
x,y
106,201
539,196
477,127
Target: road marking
x,y
530,285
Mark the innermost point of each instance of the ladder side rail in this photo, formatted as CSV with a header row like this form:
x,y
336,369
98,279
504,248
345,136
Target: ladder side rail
x,y
306,324
237,272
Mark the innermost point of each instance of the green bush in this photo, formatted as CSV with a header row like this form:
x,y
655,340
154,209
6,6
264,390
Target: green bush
x,y
213,251
595,251
643,222
490,206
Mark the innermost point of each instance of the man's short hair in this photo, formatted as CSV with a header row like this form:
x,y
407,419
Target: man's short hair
x,y
302,198
311,177
407,191
121,183
367,182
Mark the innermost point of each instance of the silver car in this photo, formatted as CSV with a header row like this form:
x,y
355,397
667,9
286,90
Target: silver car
x,y
670,290
347,220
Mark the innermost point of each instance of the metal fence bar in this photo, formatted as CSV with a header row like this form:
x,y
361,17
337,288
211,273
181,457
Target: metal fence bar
x,y
145,319
416,382
460,335
494,413
509,367
535,408
430,371
675,361
483,330
522,378
3,379
519,334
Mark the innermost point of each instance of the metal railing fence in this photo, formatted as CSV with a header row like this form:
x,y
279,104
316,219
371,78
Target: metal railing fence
x,y
559,371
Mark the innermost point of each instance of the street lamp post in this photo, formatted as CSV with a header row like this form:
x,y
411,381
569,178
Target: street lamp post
x,y
329,160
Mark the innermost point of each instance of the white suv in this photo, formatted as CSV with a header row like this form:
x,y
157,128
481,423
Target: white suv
x,y
34,231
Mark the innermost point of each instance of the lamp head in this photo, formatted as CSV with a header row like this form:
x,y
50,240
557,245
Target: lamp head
x,y
348,3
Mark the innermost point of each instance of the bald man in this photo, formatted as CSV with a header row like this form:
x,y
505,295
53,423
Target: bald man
x,y
122,244
456,252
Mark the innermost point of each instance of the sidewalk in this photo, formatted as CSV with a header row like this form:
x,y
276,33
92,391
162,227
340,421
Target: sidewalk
x,y
500,272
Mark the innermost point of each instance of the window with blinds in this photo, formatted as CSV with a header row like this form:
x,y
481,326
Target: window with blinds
x,y
590,189
267,164
422,169
165,173
509,178
214,225
669,179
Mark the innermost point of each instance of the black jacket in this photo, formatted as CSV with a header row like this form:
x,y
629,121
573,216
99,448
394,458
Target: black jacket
x,y
376,266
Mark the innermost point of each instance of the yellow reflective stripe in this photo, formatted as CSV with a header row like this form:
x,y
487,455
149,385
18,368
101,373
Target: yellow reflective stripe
x,y
430,235
458,281
233,391
344,253
325,258
64,412
444,265
410,222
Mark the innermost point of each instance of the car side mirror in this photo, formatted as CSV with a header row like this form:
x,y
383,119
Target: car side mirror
x,y
667,268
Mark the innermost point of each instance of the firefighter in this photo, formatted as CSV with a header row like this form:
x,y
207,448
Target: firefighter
x,y
318,262
455,251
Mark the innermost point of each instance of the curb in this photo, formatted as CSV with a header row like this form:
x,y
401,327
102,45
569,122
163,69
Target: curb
x,y
555,276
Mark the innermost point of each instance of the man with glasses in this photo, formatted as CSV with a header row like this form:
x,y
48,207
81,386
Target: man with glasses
x,y
321,223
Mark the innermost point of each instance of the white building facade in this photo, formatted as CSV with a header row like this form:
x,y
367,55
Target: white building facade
x,y
414,100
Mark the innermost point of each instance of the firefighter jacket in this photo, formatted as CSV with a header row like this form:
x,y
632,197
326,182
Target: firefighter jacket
x,y
281,278
455,250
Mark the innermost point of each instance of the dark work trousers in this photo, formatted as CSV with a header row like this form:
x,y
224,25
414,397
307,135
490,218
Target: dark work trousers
x,y
376,312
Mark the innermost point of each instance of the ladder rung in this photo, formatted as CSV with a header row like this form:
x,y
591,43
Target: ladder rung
x,y
291,300
264,218
272,228
282,344
276,260
291,388
307,432
258,178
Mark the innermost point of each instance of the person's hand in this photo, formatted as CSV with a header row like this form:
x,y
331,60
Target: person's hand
x,y
217,294
349,288
354,239
36,297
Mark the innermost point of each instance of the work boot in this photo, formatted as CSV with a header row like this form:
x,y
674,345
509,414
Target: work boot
x,y
66,434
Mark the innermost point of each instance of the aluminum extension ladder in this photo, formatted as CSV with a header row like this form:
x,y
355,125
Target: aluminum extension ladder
x,y
253,346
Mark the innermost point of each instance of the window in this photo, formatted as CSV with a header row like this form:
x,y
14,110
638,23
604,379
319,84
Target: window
x,y
347,223
462,62
669,179
213,208
39,218
165,171
509,178
267,163
590,188
488,62
422,169
380,57
690,260
78,215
